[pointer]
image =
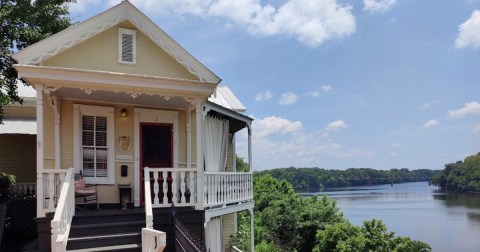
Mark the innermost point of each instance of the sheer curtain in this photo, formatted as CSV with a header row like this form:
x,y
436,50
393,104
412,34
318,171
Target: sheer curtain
x,y
214,235
215,144
215,151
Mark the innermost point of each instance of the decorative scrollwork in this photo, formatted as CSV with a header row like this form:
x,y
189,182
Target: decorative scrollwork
x,y
88,90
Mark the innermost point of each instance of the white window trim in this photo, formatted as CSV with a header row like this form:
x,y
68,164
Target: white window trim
x,y
122,31
151,116
78,111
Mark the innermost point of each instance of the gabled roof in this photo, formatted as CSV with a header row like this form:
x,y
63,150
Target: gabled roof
x,y
53,45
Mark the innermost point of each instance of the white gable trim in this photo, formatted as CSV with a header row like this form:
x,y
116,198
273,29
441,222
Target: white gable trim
x,y
51,46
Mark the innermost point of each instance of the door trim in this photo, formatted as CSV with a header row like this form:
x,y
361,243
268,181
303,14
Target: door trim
x,y
151,116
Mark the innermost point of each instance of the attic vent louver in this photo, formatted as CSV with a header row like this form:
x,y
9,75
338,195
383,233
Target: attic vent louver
x,y
127,51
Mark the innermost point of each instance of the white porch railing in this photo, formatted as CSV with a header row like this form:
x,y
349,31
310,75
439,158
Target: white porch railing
x,y
24,188
153,240
171,186
49,184
148,200
64,213
235,249
222,188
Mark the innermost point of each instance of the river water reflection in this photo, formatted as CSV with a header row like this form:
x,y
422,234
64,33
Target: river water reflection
x,y
446,221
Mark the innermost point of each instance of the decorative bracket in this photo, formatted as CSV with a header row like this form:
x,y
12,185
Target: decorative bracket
x,y
54,102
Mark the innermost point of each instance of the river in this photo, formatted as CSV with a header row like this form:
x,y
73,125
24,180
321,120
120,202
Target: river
x,y
446,221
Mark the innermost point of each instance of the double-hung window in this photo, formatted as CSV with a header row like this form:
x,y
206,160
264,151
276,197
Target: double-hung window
x,y
94,148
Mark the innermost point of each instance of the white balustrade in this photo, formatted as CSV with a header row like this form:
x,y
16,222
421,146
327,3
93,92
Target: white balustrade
x,y
222,188
64,213
24,188
49,184
170,186
153,240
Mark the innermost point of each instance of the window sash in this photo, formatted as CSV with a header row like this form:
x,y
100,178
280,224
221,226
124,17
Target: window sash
x,y
94,146
94,143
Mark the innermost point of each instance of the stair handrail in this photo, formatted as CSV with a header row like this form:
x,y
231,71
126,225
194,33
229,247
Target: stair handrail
x,y
62,220
153,240
148,199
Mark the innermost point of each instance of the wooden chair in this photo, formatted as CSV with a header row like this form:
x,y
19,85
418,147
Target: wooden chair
x,y
88,193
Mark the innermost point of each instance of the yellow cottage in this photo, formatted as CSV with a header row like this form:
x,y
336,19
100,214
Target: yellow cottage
x,y
121,106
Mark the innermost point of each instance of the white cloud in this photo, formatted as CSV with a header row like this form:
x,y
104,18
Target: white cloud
x,y
396,145
275,125
378,5
336,125
427,105
327,88
288,98
311,22
430,124
265,96
469,32
476,129
279,142
471,108
391,21
313,94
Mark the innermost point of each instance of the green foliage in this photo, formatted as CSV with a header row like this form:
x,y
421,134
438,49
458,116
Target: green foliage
x,y
241,238
241,165
372,236
285,221
460,176
316,179
22,23
267,247
6,182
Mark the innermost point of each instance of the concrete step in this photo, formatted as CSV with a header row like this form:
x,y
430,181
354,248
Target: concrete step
x,y
115,248
97,241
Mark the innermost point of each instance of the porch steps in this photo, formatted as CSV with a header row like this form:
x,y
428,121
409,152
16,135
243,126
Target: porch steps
x,y
107,230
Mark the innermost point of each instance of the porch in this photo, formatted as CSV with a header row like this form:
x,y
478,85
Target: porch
x,y
222,193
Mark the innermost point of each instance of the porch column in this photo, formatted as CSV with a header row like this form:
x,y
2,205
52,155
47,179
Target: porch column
x,y
189,136
54,102
250,148
40,212
252,237
200,164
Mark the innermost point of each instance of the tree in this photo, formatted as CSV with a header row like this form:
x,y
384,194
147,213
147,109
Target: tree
x,y
372,236
242,166
22,23
460,176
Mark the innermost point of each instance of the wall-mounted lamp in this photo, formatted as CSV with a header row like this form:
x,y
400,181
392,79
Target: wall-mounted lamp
x,y
123,113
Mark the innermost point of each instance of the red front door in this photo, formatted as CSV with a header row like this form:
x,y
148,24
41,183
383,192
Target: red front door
x,y
156,149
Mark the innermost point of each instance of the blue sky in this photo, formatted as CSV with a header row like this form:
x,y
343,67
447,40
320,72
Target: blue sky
x,y
338,83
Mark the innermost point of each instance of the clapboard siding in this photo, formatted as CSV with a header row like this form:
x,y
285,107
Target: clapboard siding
x,y
228,230
18,156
